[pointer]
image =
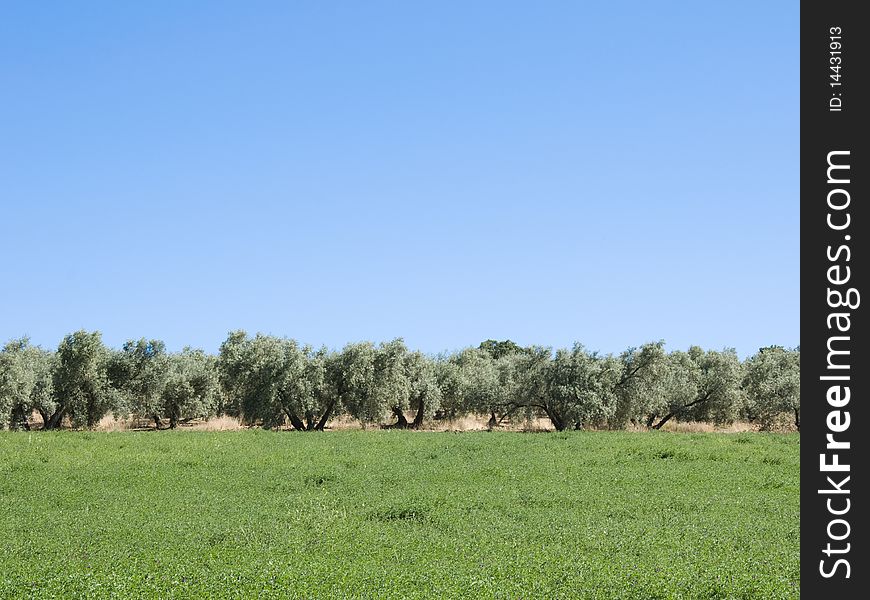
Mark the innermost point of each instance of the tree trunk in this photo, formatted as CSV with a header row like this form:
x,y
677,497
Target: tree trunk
x,y
507,414
156,421
173,421
650,420
555,419
297,423
401,421
92,417
55,419
797,418
418,418
664,420
322,423
493,422
695,402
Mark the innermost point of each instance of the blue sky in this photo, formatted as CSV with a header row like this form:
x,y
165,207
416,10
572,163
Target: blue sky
x,y
448,172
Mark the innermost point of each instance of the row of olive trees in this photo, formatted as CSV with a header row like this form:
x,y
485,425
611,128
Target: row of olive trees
x,y
644,385
274,381
84,380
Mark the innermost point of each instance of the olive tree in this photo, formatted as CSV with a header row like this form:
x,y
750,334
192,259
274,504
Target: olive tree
x,y
25,382
250,370
81,384
477,384
391,385
772,386
305,390
351,374
233,371
270,363
472,381
276,379
700,385
640,383
319,402
448,377
373,383
424,393
577,387
190,389
42,397
522,384
139,371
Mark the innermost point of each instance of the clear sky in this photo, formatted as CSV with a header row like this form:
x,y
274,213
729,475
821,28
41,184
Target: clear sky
x,y
447,172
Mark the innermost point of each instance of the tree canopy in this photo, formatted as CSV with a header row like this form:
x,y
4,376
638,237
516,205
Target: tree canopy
x,y
274,381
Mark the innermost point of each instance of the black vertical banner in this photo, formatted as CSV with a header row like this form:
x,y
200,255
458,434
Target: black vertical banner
x,y
835,223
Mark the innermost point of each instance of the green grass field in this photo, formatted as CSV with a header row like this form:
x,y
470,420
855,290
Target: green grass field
x,y
389,514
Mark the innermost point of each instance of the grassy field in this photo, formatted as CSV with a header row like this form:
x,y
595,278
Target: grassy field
x,y
389,514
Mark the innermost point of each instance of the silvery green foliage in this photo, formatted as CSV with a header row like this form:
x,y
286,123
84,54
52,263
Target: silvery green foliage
x,y
772,386
81,384
503,386
270,381
317,398
233,371
425,394
190,388
721,378
274,379
479,381
578,388
305,391
373,382
508,393
641,383
42,398
573,387
25,382
392,386
701,386
269,364
139,371
448,376
521,384
473,381
16,379
352,375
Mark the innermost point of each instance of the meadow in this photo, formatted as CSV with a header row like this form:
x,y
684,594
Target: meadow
x,y
399,514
